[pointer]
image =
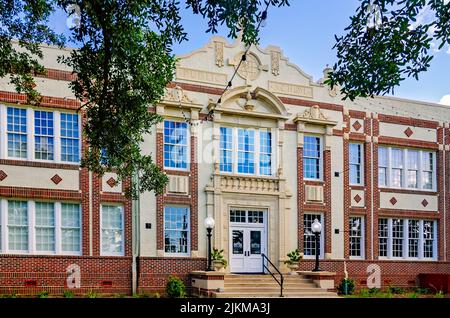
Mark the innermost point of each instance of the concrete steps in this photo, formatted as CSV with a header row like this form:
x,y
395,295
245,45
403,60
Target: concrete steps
x,y
264,286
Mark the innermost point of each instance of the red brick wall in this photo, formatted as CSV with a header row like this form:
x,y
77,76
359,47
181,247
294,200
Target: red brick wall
x,y
154,272
49,272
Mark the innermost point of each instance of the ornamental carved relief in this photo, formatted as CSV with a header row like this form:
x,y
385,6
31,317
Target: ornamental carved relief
x,y
275,61
177,94
249,69
218,48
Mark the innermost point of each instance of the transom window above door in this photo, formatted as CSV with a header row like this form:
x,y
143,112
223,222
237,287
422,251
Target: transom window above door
x,y
246,151
247,216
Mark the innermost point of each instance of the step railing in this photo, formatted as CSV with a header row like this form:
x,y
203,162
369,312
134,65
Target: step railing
x,y
265,267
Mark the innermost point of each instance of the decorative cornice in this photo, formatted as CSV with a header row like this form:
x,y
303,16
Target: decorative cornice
x,y
314,115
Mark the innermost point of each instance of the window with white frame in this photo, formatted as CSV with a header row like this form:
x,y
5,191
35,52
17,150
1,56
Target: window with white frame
x,y
17,132
407,238
406,168
34,134
45,226
35,227
175,145
112,230
226,149
176,230
356,163
43,135
70,138
246,151
309,238
312,158
382,166
18,226
356,236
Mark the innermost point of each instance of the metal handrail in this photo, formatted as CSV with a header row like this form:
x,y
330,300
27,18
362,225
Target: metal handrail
x,y
281,281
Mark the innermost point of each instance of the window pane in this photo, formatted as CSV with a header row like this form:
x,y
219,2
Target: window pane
x,y
246,148
17,132
382,157
226,149
382,181
355,230
428,239
383,232
311,157
45,226
309,239
175,145
43,135
397,158
112,229
237,216
70,227
397,238
70,138
413,238
265,157
176,229
18,225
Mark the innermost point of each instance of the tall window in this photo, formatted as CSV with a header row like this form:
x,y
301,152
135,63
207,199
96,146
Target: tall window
x,y
18,225
176,230
412,177
356,162
406,168
407,238
112,230
382,166
246,151
43,135
70,138
356,232
70,227
383,236
17,132
226,149
175,145
312,158
265,153
45,226
309,239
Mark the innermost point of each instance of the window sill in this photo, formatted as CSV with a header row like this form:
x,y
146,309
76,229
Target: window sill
x,y
408,191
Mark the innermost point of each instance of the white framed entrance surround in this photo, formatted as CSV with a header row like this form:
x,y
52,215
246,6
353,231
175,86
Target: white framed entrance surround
x,y
268,193
248,260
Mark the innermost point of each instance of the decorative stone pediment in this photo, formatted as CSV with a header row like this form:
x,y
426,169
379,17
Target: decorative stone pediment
x,y
314,115
253,103
176,96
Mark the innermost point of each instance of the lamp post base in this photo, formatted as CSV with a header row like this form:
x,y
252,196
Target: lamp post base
x,y
316,270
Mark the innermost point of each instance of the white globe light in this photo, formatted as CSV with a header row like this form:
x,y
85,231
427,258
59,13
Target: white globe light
x,y
209,222
316,227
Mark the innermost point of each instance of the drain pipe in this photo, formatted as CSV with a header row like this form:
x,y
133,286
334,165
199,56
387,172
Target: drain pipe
x,y
371,185
136,207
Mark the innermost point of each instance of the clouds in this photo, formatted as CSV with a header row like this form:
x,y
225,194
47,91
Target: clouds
x,y
445,100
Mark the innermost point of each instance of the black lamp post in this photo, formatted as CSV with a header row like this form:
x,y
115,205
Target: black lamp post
x,y
209,224
316,228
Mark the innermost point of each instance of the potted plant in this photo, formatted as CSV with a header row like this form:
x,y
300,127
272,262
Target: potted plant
x,y
218,260
294,257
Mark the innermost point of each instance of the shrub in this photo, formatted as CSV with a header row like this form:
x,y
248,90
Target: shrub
x,y
91,294
374,291
175,288
439,294
420,290
156,295
68,294
346,287
396,290
42,294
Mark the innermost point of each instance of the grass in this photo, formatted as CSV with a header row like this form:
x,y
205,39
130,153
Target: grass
x,y
397,292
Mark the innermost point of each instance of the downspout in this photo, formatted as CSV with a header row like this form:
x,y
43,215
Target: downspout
x,y
135,235
371,186
444,176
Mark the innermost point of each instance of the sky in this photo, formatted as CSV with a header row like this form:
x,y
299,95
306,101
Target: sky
x,y
305,32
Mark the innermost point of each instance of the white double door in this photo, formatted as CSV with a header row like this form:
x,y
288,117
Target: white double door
x,y
247,243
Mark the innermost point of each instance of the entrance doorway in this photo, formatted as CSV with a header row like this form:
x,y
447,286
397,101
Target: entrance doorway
x,y
248,239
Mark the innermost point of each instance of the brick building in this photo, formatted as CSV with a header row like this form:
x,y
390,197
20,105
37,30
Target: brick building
x,y
281,151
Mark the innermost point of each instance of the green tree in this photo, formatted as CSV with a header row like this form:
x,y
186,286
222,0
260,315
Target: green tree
x,y
123,65
387,41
